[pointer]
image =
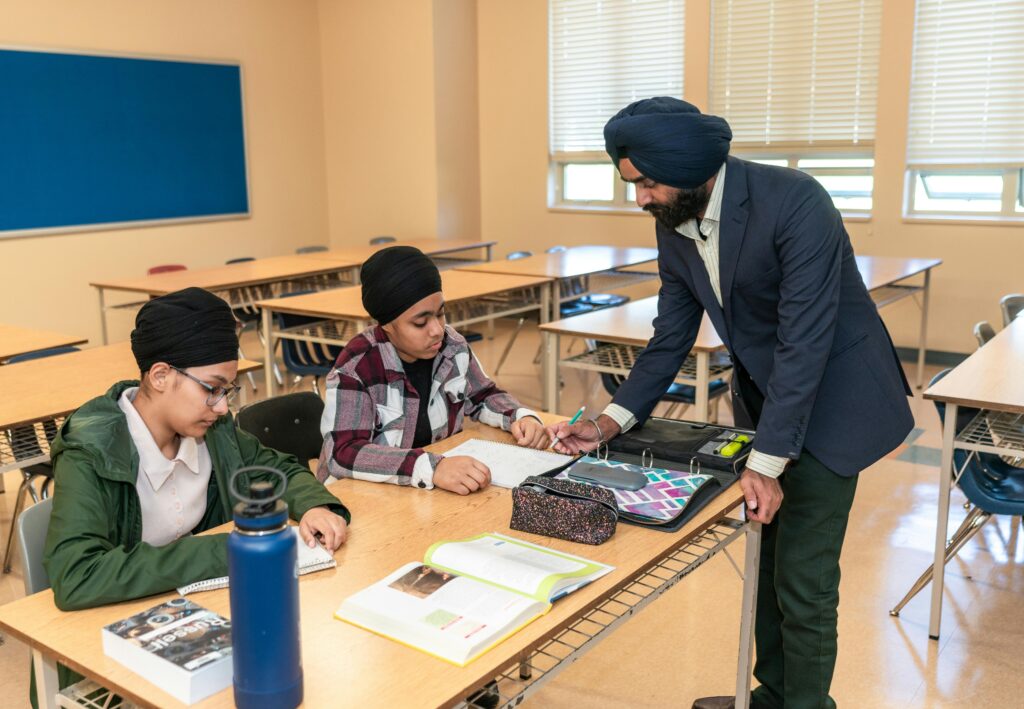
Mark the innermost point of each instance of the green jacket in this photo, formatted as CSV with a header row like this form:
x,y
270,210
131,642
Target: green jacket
x,y
94,550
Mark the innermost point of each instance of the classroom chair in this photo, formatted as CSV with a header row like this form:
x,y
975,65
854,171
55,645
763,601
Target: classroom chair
x,y
249,316
165,268
579,286
983,332
289,423
1011,305
678,395
32,527
378,240
990,484
305,359
313,249
25,440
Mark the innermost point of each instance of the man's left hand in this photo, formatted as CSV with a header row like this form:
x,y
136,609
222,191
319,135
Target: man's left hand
x,y
321,522
763,495
530,433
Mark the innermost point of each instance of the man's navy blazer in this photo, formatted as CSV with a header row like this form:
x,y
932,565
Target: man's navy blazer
x,y
796,315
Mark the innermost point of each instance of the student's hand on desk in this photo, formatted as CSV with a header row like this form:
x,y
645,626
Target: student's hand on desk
x,y
461,474
321,522
763,495
530,433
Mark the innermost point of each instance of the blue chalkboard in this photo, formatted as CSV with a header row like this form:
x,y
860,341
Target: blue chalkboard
x,y
91,140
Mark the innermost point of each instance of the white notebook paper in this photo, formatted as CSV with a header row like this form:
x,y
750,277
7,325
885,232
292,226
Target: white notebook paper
x,y
310,560
510,464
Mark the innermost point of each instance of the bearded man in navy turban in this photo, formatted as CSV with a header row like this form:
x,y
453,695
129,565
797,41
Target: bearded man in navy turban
x,y
763,251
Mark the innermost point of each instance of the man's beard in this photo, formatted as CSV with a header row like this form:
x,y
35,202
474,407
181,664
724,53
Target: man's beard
x,y
686,205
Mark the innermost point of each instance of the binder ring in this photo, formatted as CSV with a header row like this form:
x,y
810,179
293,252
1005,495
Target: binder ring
x,y
597,451
643,458
691,466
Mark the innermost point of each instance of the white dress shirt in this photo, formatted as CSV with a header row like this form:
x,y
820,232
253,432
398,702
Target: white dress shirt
x,y
172,492
706,240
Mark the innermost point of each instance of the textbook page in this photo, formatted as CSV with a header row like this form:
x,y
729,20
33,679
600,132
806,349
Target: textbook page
x,y
544,574
450,616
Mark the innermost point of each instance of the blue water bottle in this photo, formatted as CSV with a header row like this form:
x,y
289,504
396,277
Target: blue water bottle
x,y
264,589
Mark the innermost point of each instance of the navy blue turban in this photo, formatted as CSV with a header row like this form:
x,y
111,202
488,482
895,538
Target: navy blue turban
x,y
669,141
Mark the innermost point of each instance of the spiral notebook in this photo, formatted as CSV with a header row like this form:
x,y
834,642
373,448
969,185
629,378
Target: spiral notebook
x,y
310,559
510,464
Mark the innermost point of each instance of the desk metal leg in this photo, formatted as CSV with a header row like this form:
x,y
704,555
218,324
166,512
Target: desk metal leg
x,y
701,394
744,665
268,352
942,520
488,249
46,680
922,342
552,346
103,316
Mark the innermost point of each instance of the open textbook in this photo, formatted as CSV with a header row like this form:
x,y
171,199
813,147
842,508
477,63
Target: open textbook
x,y
468,595
510,464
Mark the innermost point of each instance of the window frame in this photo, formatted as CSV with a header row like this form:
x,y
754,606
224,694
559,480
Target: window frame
x,y
1011,200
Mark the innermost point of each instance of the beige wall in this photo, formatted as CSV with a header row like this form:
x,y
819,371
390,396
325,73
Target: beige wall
x,y
400,106
44,280
982,262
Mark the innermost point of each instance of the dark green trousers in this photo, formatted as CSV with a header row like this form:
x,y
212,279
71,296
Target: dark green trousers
x,y
798,588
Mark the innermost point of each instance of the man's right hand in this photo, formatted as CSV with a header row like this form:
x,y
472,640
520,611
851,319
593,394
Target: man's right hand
x,y
582,437
461,474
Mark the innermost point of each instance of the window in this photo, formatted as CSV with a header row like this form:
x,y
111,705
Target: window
x,y
965,141
797,82
604,54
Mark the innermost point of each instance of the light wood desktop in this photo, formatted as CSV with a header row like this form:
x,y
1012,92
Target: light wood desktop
x,y
886,280
574,262
262,271
392,526
629,325
990,380
16,340
431,247
48,389
345,304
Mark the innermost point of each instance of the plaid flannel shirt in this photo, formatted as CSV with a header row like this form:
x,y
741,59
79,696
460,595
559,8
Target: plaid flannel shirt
x,y
371,409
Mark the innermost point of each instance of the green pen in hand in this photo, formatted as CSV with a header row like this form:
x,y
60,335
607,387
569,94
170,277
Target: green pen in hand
x,y
574,419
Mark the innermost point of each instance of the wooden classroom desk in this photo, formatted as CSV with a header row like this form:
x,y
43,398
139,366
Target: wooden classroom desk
x,y
344,664
16,340
886,280
431,247
469,298
574,262
629,327
44,391
990,380
229,277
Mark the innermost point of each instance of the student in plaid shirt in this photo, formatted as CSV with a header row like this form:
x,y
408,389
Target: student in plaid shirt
x,y
408,382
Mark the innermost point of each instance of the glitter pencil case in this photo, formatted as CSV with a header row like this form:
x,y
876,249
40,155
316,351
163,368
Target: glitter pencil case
x,y
564,509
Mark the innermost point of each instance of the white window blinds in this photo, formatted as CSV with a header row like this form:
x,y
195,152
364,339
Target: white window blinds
x,y
604,54
966,99
796,73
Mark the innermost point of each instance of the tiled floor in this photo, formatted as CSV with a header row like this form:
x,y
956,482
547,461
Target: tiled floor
x,y
684,645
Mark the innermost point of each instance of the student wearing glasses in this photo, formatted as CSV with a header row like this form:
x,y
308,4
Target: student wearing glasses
x,y
143,468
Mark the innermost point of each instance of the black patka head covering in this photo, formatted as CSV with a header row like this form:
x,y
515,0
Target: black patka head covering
x,y
395,279
669,141
187,328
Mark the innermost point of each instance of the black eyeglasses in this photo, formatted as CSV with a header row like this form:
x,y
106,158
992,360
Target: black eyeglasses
x,y
214,393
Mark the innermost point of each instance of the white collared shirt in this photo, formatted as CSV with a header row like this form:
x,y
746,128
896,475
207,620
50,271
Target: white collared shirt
x,y
706,240
172,493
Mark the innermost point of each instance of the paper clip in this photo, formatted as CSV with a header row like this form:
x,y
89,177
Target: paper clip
x,y
691,466
643,459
